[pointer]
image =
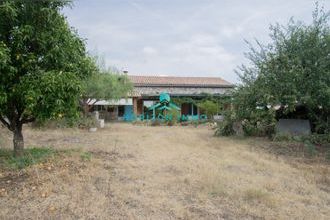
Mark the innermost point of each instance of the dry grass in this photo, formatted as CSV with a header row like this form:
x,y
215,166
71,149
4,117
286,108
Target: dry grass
x,y
140,172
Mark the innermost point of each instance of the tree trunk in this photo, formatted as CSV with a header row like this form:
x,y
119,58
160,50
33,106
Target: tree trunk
x,y
86,109
18,140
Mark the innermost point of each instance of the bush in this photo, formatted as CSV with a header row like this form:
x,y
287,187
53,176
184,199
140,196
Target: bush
x,y
226,127
211,108
80,122
309,142
258,128
250,128
86,122
282,137
317,139
173,117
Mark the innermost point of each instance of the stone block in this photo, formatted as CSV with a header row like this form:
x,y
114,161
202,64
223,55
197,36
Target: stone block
x,y
293,127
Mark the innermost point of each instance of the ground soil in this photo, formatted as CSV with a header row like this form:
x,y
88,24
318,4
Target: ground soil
x,y
144,172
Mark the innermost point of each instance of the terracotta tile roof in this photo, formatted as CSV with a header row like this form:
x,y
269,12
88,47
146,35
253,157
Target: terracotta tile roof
x,y
176,81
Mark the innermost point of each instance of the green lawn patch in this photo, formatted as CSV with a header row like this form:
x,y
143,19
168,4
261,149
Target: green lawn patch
x,y
31,156
86,156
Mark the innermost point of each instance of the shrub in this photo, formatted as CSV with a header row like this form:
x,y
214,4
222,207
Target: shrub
x,y
317,139
250,128
80,122
86,122
210,107
282,137
173,117
226,127
309,142
259,123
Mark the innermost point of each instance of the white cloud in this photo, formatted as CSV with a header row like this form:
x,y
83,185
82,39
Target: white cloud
x,y
182,37
149,50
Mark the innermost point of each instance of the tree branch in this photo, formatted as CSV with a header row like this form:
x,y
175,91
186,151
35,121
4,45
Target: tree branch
x,y
5,122
27,120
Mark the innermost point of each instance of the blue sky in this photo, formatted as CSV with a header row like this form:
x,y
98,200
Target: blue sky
x,y
180,37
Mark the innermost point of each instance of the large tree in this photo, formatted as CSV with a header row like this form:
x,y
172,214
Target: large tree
x,y
42,62
292,71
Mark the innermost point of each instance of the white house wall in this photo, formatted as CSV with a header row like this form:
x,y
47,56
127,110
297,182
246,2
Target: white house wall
x,y
128,101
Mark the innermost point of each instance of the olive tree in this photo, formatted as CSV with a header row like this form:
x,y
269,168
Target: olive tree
x,y
42,63
211,107
104,85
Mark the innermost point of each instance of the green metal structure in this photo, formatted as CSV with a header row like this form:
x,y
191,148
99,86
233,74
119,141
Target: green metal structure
x,y
164,104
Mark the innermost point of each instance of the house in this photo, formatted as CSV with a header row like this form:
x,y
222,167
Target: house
x,y
148,88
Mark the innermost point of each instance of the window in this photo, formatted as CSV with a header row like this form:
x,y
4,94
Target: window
x,y
192,109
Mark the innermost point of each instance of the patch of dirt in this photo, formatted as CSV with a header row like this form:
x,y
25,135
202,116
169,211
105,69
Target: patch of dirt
x,y
12,180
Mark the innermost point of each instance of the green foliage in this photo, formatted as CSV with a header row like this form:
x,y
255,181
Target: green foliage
x,y
87,122
292,70
210,104
173,117
31,156
320,139
260,123
40,77
309,142
210,107
106,86
86,156
316,139
42,63
283,137
226,127
82,122
181,100
310,148
49,95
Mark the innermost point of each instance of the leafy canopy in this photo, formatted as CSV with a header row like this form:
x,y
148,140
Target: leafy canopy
x,y
211,108
106,85
293,70
42,62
